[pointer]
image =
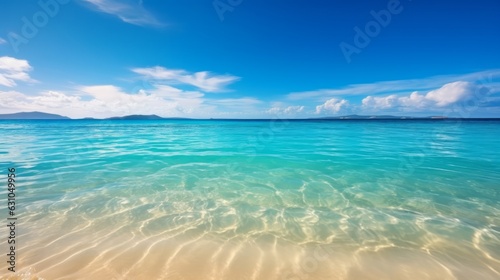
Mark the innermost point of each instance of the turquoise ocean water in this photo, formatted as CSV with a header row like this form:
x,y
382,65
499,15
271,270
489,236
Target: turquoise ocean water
x,y
188,199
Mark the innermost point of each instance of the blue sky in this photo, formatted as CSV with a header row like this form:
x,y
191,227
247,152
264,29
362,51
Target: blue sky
x,y
250,59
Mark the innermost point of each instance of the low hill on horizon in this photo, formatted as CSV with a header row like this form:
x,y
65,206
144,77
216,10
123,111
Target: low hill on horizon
x,y
47,116
32,116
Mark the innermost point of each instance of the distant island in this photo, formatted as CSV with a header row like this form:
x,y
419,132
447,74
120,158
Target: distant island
x,y
47,116
137,117
32,116
145,117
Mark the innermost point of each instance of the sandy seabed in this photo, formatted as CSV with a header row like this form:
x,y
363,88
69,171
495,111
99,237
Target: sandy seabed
x,y
194,255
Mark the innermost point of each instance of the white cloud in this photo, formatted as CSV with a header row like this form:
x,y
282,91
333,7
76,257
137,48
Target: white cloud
x,y
381,102
108,100
48,101
2,41
127,10
54,99
293,109
180,93
446,95
12,100
398,86
333,105
163,101
103,101
185,101
290,110
451,93
414,100
204,80
12,70
160,73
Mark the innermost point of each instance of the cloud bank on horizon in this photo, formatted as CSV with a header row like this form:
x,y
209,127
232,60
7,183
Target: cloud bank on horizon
x,y
180,93
103,58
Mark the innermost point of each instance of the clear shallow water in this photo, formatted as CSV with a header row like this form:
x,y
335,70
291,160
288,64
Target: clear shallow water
x,y
255,199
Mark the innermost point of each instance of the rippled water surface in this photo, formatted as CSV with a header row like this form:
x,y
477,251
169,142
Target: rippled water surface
x,y
254,199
